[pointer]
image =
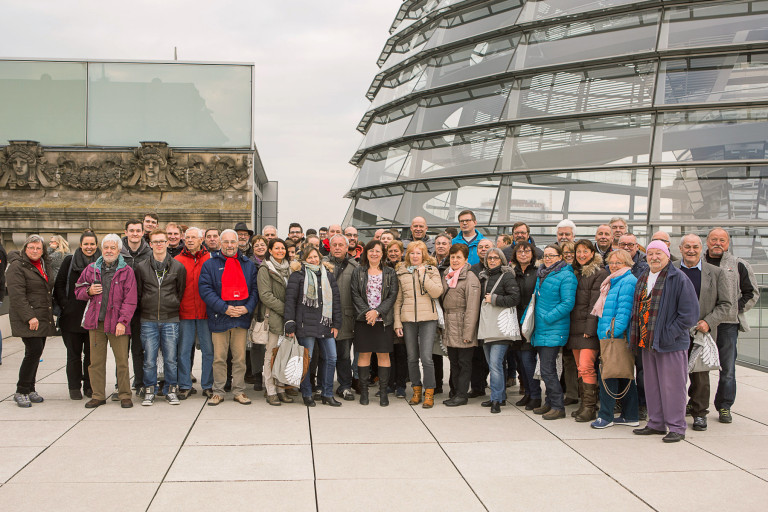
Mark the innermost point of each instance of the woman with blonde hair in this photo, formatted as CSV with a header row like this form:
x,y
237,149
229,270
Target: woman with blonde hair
x,y
416,316
58,249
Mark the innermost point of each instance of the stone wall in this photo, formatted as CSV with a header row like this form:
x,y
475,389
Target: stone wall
x,y
63,191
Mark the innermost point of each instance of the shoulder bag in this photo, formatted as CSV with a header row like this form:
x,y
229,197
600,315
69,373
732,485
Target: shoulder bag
x,y
617,361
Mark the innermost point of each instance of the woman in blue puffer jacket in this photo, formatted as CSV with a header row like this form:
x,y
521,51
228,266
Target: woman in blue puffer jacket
x,y
555,297
615,306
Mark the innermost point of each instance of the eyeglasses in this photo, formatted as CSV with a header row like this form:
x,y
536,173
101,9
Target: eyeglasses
x,y
627,245
520,233
464,221
294,232
550,256
493,258
568,252
158,242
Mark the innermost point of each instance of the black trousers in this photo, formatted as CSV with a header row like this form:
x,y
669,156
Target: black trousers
x,y
461,369
437,360
78,344
480,369
33,349
137,352
398,360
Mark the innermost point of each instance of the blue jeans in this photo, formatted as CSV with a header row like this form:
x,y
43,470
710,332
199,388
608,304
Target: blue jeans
x,y
548,367
629,404
495,354
328,347
188,330
532,386
343,365
163,336
727,338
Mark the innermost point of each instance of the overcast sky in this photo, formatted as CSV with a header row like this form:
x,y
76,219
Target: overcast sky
x,y
314,62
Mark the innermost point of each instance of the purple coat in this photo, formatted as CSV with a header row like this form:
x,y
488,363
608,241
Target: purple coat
x,y
122,297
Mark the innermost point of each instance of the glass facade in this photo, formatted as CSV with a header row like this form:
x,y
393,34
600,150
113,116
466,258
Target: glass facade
x,y
524,110
119,104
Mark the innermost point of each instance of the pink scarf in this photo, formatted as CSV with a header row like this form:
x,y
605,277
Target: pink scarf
x,y
452,277
604,289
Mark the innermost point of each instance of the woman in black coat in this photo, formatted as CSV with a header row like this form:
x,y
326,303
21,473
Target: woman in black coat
x,y
31,312
75,337
590,273
374,291
499,289
525,273
309,316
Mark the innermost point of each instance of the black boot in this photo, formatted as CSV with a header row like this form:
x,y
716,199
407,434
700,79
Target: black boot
x,y
383,383
364,373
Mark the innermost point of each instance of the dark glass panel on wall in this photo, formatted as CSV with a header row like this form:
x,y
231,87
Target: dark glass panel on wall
x,y
714,79
717,193
455,155
583,90
588,39
614,140
715,24
440,202
707,135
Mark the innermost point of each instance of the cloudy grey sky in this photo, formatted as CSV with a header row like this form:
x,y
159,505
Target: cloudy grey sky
x,y
314,62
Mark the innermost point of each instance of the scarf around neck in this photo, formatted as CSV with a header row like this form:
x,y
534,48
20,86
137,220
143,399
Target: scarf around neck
x,y
233,285
544,271
605,287
310,298
648,307
282,269
80,260
452,277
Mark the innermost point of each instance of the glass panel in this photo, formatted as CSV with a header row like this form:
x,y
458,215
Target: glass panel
x,y
545,9
388,126
717,193
714,79
472,61
588,90
409,47
460,109
715,24
43,101
410,79
588,39
440,202
704,135
184,105
455,155
475,21
382,167
615,140
592,196
375,211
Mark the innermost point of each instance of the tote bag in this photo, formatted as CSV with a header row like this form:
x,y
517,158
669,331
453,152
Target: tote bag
x,y
529,317
290,361
497,323
616,360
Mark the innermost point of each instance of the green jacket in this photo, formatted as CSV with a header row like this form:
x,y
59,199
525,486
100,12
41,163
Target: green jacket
x,y
271,288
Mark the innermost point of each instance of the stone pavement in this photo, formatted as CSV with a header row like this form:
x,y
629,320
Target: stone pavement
x,y
59,456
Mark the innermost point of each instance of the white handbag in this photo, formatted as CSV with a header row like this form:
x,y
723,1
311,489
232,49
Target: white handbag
x,y
529,318
258,333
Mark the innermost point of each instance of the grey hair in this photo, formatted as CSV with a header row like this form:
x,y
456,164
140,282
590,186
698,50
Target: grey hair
x,y
616,219
200,232
346,240
228,231
691,235
31,239
111,238
566,223
498,252
264,229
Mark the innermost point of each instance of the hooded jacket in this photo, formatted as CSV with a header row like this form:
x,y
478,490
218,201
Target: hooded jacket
x,y
555,298
415,296
618,307
122,300
306,321
132,258
589,278
30,296
192,306
209,286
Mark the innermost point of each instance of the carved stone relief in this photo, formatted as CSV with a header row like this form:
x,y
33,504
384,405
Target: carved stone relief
x,y
152,166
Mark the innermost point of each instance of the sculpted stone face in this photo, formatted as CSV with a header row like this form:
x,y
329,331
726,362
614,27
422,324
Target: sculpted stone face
x,y
20,166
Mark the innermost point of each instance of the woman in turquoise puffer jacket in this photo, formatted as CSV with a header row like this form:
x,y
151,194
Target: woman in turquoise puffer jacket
x,y
615,305
555,297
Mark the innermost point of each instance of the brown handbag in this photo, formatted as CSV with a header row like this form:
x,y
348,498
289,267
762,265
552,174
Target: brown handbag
x,y
617,361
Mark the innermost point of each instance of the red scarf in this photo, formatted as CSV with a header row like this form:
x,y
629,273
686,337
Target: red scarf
x,y
233,285
39,266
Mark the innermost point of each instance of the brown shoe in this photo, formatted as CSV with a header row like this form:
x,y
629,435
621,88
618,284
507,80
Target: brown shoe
x,y
126,403
273,400
429,398
93,403
554,414
544,409
416,398
284,398
291,392
215,400
242,399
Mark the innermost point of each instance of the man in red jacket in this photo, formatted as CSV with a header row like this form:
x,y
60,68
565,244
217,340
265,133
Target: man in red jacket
x,y
193,317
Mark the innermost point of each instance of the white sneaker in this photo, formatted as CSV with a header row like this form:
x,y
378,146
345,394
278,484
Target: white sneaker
x,y
22,400
149,396
171,397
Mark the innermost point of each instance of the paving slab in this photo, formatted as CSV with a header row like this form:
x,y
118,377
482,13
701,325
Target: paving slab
x,y
244,432
381,461
283,496
77,497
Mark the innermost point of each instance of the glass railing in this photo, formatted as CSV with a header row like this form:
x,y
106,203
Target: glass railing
x,y
753,345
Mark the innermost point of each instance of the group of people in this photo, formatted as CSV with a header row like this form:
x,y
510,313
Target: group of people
x,y
387,312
